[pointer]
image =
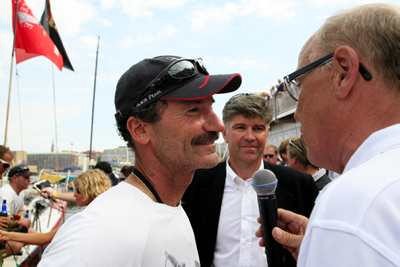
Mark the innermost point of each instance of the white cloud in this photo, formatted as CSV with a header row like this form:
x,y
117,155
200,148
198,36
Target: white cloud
x,y
71,15
148,38
106,4
106,22
202,16
238,64
90,41
140,8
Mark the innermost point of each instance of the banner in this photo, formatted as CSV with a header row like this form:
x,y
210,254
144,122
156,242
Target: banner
x,y
49,25
31,39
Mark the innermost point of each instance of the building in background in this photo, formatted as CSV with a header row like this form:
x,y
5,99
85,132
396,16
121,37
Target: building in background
x,y
118,156
283,124
62,161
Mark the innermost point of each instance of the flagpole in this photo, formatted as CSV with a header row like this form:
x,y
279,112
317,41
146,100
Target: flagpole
x,y
94,96
10,77
19,109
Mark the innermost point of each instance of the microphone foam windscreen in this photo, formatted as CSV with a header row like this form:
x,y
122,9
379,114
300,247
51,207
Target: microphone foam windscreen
x,y
264,182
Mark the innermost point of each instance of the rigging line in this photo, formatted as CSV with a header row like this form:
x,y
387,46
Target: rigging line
x,y
21,129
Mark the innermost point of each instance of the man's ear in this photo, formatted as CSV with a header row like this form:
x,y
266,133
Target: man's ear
x,y
347,68
137,129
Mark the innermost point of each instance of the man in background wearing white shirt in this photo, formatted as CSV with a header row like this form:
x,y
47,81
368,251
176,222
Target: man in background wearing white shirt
x,y
221,203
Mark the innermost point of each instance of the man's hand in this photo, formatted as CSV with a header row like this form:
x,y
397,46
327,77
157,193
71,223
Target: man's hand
x,y
290,231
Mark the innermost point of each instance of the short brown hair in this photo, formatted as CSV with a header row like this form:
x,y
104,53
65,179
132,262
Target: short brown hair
x,y
248,105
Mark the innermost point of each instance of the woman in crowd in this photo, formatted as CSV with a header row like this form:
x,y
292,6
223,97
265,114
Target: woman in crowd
x,y
297,159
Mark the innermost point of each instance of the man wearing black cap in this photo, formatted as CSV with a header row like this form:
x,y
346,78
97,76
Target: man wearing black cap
x,y
164,112
19,179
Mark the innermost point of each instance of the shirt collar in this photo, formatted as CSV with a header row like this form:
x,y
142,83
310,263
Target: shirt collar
x,y
231,176
378,142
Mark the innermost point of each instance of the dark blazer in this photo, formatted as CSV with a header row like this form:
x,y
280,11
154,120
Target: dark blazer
x,y
202,203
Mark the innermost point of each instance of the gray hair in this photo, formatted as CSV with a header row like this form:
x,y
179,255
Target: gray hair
x,y
373,31
247,105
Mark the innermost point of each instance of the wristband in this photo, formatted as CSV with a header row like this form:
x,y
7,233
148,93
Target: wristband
x,y
55,194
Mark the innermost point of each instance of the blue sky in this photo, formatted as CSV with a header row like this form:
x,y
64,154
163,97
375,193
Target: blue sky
x,y
258,38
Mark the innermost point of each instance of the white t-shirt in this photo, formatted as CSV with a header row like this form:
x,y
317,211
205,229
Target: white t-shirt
x,y
237,244
124,227
356,220
15,203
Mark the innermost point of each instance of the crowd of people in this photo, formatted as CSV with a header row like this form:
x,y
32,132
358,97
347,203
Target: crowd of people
x,y
180,205
15,229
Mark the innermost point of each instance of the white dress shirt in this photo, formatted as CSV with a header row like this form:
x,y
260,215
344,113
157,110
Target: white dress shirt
x,y
236,243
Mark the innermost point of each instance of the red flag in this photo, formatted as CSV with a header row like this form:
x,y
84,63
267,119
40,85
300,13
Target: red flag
x,y
31,39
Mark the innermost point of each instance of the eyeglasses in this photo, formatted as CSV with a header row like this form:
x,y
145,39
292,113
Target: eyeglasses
x,y
266,156
178,70
5,164
290,84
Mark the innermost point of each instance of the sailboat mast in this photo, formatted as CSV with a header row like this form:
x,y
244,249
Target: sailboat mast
x,y
94,97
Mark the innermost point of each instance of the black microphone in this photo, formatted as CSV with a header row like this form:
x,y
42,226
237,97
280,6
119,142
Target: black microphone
x,y
264,183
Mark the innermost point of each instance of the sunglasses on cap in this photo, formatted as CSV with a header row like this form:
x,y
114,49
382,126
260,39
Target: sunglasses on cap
x,y
177,71
5,164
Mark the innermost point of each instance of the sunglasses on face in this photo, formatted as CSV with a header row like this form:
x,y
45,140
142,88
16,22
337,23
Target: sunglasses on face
x,y
178,70
270,156
291,85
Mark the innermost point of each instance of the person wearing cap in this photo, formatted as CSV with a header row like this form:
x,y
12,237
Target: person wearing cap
x,y
6,158
19,180
164,113
221,203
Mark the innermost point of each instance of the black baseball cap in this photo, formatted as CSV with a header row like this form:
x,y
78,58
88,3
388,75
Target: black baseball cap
x,y
19,170
133,86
